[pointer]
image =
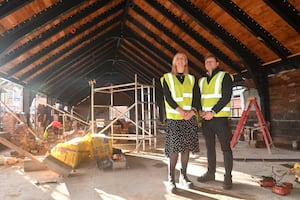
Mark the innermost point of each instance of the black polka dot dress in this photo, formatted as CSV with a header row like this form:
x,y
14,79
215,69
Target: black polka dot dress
x,y
181,135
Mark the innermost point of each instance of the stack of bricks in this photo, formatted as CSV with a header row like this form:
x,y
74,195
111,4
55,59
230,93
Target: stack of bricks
x,y
9,123
21,138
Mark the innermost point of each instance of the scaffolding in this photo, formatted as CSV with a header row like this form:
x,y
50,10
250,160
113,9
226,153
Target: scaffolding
x,y
144,107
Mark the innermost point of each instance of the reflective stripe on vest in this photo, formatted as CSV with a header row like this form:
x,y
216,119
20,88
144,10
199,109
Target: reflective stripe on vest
x,y
181,93
212,92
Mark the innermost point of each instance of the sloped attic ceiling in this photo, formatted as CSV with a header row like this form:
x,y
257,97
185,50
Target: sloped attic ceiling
x,y
58,46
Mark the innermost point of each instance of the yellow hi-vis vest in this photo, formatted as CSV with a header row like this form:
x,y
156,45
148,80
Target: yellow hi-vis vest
x,y
181,93
211,93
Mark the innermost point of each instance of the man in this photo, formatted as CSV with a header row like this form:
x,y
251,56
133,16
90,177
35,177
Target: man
x,y
216,91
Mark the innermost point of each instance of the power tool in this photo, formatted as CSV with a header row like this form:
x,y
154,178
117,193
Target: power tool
x,y
274,181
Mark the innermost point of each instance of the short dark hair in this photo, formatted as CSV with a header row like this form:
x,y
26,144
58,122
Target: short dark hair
x,y
210,56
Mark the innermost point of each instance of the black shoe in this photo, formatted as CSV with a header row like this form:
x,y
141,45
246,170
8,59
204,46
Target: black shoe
x,y
206,177
227,184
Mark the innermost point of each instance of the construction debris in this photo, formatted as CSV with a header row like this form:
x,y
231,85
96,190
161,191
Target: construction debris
x,y
296,170
275,182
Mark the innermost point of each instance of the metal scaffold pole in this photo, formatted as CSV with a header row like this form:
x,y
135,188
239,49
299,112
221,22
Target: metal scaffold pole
x,y
136,112
154,114
143,114
92,82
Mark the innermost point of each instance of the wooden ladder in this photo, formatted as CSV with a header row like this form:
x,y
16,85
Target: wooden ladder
x,y
261,121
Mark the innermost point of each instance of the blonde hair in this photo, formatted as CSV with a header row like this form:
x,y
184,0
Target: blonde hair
x,y
186,68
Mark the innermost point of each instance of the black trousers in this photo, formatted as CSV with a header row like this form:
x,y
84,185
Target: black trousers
x,y
218,126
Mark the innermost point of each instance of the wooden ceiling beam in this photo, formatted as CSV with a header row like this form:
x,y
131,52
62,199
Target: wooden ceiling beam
x,y
12,36
161,66
169,34
164,65
8,7
145,77
123,21
145,69
138,40
12,79
77,53
65,39
287,11
152,66
128,5
288,64
83,89
72,81
56,29
65,50
208,23
85,59
141,41
124,67
96,69
238,14
130,72
205,43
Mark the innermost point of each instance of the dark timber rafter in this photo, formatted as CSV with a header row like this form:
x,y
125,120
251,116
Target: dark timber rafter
x,y
8,7
168,33
146,62
291,63
287,11
59,54
145,72
208,45
85,59
163,63
78,52
125,64
138,40
10,37
62,41
163,43
72,83
54,30
76,79
122,24
238,14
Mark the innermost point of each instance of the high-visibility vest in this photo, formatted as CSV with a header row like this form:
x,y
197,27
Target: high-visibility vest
x,y
181,93
211,93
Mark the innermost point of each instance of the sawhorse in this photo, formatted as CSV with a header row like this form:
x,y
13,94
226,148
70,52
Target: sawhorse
x,y
261,121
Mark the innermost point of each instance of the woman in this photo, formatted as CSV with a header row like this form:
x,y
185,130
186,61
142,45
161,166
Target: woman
x,y
182,101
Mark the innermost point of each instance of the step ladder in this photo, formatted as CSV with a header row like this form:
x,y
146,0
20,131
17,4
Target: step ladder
x,y
261,121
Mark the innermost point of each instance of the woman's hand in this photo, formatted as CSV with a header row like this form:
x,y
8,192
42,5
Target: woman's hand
x,y
208,115
181,111
189,115
186,115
